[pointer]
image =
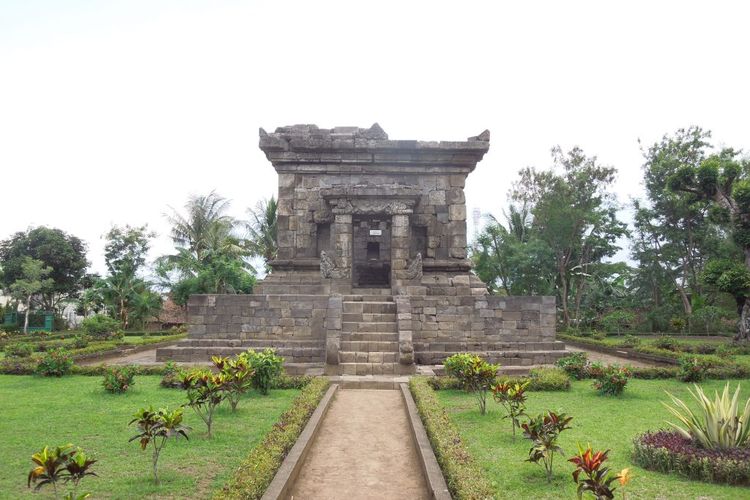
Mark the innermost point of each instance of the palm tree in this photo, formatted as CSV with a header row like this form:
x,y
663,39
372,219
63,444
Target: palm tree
x,y
205,228
261,227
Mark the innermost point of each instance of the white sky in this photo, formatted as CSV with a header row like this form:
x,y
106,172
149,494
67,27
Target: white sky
x,y
112,111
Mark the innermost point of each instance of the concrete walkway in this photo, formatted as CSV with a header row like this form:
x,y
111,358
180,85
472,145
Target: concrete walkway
x,y
364,450
609,359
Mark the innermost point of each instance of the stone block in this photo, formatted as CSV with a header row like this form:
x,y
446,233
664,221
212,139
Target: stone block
x,y
457,212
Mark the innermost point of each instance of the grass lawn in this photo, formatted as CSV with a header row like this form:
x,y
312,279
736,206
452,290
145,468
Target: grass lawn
x,y
76,409
605,422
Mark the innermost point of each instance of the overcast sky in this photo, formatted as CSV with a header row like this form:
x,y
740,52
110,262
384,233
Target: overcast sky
x,y
112,111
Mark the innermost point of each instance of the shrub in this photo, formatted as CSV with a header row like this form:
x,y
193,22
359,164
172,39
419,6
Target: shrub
x,y
720,423
65,464
118,379
17,366
671,452
237,376
205,391
598,479
575,365
19,350
630,341
57,363
692,369
613,380
171,376
668,343
705,348
654,372
595,370
266,368
544,430
512,397
465,478
49,346
617,321
81,341
548,379
155,427
101,327
255,473
474,374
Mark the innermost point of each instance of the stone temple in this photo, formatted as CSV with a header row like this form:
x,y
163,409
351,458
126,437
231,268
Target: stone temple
x,y
372,274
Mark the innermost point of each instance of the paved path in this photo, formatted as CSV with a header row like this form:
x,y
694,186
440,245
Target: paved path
x,y
608,359
139,358
364,450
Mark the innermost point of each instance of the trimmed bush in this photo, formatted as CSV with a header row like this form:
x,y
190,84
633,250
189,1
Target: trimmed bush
x,y
670,452
548,379
17,366
256,472
171,376
692,369
55,363
81,341
266,365
118,379
100,326
20,350
667,343
464,476
612,380
575,365
630,341
654,372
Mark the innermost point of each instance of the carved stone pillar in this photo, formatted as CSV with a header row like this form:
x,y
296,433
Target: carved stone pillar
x,y
342,240
399,249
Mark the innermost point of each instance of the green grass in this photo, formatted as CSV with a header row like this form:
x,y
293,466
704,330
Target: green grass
x,y
605,422
43,411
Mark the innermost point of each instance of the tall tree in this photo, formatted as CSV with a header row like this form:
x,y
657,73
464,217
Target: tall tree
x,y
33,281
261,228
64,253
205,227
575,214
723,179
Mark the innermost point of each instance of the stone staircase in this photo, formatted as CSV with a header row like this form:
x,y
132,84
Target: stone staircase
x,y
369,335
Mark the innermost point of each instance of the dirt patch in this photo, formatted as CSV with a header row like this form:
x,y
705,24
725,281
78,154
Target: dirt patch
x,y
364,450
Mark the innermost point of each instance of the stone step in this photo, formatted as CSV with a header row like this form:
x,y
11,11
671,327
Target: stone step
x,y
369,346
202,354
369,337
373,369
373,291
367,357
504,358
381,382
369,317
448,346
369,307
374,326
248,343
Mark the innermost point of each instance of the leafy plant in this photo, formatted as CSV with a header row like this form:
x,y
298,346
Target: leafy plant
x,y
598,479
513,398
631,341
474,374
692,369
205,392
668,343
156,427
544,430
118,379
612,380
81,341
61,464
575,365
237,377
172,375
719,423
266,366
56,362
19,350
100,326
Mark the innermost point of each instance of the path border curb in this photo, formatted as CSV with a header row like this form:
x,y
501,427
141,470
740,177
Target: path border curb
x,y
290,467
430,468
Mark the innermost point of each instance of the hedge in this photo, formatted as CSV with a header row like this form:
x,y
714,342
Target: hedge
x,y
465,478
256,472
540,379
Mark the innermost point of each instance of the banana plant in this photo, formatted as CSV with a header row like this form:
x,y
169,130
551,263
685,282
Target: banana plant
x,y
156,427
718,424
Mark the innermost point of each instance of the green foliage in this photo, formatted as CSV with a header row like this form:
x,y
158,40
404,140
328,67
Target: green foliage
x,y
33,280
465,478
474,374
548,379
63,464
155,427
261,228
237,376
172,375
617,321
720,423
81,341
251,479
575,365
55,363
597,478
612,380
631,341
692,369
100,326
512,397
544,431
205,391
118,379
668,343
19,350
266,367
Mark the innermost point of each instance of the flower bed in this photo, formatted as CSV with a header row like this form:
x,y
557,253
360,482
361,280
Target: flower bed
x,y
670,452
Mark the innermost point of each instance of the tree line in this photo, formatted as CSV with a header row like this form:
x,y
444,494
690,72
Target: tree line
x,y
689,242
45,269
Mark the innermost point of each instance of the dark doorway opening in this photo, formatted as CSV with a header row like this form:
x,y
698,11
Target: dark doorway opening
x,y
371,253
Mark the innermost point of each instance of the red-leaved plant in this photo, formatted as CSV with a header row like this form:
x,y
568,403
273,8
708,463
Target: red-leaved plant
x,y
544,430
513,398
597,478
